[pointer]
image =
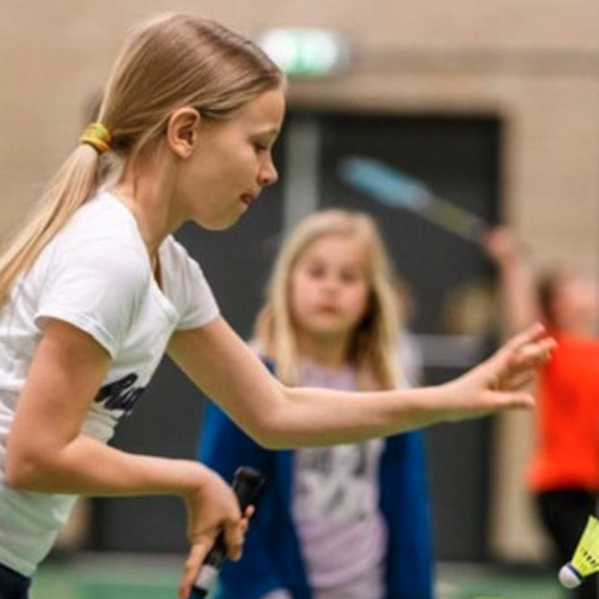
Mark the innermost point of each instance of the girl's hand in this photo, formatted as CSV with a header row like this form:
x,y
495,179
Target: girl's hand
x,y
212,507
504,379
501,245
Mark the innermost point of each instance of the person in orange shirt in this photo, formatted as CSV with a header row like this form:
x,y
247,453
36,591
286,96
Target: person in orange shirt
x,y
563,474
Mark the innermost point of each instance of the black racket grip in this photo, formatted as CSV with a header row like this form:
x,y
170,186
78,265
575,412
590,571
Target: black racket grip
x,y
247,482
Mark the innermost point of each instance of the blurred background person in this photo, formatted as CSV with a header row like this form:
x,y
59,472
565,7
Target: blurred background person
x,y
563,474
342,521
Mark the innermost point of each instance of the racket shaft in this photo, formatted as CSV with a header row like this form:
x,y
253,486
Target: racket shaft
x,y
454,219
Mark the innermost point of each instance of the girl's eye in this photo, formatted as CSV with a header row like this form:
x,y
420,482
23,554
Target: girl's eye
x,y
350,276
315,271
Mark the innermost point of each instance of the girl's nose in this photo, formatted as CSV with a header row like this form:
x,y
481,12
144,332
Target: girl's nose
x,y
268,174
330,284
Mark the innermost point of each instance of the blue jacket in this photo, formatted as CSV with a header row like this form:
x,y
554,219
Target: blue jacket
x,y
272,556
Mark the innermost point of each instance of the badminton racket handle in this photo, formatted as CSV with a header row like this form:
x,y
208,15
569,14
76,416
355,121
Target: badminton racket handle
x,y
246,485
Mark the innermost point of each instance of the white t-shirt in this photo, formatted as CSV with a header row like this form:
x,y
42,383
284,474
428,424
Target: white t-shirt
x,y
96,275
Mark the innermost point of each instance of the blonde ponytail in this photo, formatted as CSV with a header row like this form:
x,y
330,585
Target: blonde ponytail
x,y
70,188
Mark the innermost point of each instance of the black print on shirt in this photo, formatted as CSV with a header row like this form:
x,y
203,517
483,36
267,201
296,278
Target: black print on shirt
x,y
120,395
333,482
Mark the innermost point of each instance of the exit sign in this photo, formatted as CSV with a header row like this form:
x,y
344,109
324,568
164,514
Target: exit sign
x,y
306,52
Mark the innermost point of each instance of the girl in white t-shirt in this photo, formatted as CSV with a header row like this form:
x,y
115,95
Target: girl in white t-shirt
x,y
94,290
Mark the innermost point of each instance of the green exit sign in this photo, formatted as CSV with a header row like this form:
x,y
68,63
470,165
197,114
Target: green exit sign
x,y
306,52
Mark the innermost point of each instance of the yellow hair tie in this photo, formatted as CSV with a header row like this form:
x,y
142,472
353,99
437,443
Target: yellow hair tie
x,y
98,137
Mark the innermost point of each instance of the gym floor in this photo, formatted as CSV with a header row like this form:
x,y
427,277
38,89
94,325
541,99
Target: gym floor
x,y
128,576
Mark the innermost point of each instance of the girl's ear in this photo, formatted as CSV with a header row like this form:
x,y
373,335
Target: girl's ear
x,y
182,131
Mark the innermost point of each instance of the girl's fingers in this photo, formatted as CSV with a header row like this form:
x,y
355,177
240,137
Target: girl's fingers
x,y
532,334
235,537
522,354
194,562
531,356
513,399
521,381
238,531
535,354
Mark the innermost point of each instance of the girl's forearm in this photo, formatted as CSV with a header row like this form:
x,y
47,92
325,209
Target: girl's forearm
x,y
324,417
88,467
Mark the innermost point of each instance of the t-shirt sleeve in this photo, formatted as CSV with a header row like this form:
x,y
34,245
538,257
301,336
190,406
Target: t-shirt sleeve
x,y
189,289
97,287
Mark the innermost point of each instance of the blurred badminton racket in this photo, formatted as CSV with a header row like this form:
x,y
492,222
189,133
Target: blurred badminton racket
x,y
394,188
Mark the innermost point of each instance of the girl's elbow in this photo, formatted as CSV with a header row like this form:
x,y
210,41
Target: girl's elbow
x,y
25,471
272,441
268,426
18,476
268,433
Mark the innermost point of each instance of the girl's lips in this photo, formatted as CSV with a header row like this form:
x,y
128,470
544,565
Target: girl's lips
x,y
328,309
246,199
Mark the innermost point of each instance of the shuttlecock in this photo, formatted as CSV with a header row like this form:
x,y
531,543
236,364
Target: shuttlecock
x,y
586,557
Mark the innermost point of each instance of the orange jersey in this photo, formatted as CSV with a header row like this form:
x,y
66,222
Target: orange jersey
x,y
567,444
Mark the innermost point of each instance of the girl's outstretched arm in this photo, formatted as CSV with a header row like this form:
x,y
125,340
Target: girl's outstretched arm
x,y
220,363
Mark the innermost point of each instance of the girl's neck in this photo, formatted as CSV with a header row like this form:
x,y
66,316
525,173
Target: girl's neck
x,y
147,197
328,353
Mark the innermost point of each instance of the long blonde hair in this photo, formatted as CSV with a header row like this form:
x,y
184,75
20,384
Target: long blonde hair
x,y
172,61
373,348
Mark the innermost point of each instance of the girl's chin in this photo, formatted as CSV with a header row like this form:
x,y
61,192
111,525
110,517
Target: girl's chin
x,y
327,334
218,225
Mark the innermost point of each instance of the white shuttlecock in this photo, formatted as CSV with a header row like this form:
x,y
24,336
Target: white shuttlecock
x,y
586,557
569,577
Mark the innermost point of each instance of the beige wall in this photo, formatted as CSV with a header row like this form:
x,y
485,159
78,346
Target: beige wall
x,y
534,62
